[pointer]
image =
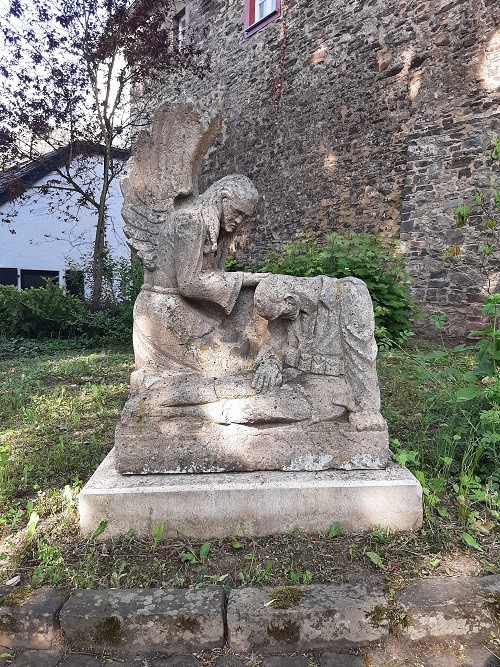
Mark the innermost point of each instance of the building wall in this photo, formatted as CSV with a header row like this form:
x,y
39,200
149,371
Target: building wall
x,y
49,236
359,115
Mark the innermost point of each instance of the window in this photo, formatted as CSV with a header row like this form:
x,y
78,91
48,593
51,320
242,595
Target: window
x,y
8,277
259,13
34,278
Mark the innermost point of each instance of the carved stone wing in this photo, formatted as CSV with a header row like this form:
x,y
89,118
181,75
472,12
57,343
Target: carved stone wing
x,y
165,167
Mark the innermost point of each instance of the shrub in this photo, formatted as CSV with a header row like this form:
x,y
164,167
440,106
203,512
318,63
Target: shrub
x,y
40,312
50,312
374,260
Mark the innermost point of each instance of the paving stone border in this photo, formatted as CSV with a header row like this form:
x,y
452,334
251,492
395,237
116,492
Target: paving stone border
x,y
176,622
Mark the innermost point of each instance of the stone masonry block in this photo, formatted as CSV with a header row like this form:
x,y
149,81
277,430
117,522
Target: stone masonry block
x,y
285,661
341,660
37,659
29,619
175,661
312,617
81,661
442,609
145,620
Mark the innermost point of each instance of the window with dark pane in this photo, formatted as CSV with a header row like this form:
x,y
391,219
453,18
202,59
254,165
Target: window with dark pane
x,y
8,277
37,278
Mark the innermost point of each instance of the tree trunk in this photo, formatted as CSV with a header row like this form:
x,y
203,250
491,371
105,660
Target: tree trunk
x,y
99,253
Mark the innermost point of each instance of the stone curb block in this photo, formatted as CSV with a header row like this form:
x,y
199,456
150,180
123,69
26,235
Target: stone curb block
x,y
315,617
29,619
171,621
145,620
447,608
38,658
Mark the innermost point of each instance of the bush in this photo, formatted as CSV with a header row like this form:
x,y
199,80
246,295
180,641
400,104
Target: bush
x,y
112,324
365,256
50,312
41,312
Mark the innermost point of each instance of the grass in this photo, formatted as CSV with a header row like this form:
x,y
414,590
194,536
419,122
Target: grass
x,y
58,410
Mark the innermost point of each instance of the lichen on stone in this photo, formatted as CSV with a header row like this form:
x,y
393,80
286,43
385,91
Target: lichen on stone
x,y
493,606
109,631
285,597
188,623
391,616
16,597
284,631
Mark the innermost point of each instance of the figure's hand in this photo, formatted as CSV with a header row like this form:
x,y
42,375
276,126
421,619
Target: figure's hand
x,y
253,279
267,376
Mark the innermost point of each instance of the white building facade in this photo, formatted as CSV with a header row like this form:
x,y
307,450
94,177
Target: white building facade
x,y
52,238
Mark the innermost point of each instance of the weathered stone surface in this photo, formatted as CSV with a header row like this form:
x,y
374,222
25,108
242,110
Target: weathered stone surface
x,y
194,447
482,656
447,608
263,660
303,349
28,619
232,661
176,661
454,653
341,660
285,661
141,620
37,659
82,661
217,505
123,660
316,617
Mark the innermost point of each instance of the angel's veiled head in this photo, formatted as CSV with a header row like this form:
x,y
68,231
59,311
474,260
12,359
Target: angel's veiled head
x,y
227,203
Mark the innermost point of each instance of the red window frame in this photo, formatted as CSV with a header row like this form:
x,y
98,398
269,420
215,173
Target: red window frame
x,y
252,26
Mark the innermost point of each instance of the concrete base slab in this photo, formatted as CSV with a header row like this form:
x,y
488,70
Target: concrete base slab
x,y
205,506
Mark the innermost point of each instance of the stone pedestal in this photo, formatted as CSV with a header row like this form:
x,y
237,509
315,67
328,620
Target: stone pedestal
x,y
208,506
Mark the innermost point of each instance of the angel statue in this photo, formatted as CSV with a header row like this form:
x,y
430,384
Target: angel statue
x,y
182,239
234,371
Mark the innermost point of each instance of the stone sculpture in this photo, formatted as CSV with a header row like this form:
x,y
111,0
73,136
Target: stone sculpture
x,y
235,371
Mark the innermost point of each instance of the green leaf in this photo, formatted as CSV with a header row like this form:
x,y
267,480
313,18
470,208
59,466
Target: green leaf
x,y
470,541
458,349
486,250
100,529
205,550
236,544
335,530
495,153
188,557
32,524
375,558
158,534
438,319
462,214
478,198
469,393
437,355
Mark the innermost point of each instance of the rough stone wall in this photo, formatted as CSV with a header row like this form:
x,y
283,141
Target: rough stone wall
x,y
448,273
454,116
349,115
